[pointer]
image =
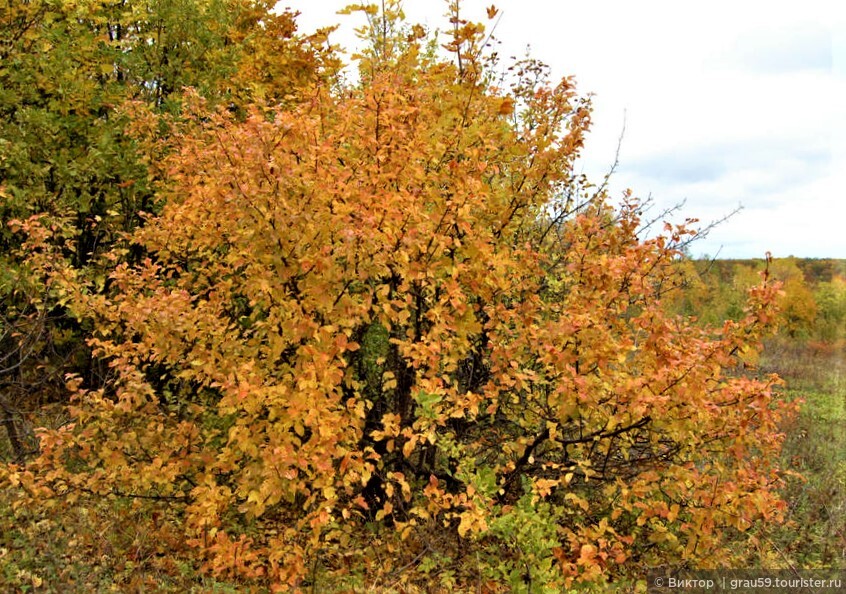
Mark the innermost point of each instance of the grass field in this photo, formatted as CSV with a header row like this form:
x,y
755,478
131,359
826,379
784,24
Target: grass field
x,y
815,535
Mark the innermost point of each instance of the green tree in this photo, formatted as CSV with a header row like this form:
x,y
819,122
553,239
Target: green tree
x,y
69,71
830,296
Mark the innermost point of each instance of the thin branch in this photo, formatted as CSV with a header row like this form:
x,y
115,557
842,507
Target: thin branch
x,y
604,185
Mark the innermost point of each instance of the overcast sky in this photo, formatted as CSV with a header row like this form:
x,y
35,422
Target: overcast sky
x,y
725,102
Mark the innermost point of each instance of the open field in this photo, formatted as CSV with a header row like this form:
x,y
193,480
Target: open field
x,y
815,535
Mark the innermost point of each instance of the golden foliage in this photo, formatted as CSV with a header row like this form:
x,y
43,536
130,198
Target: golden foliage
x,y
396,306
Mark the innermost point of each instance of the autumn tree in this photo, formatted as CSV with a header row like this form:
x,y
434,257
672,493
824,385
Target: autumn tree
x,y
391,319
797,304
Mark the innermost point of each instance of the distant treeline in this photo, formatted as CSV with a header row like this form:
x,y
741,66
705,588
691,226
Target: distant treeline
x,y
815,270
813,304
